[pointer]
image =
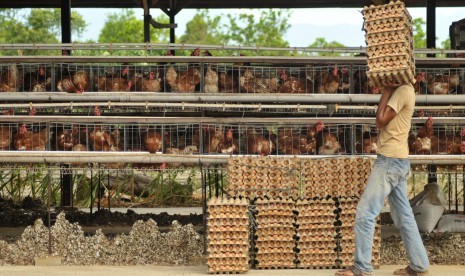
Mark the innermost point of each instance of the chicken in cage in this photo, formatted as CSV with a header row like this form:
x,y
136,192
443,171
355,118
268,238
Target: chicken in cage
x,y
73,78
298,140
332,80
37,77
184,78
146,78
334,139
31,137
259,140
366,139
111,78
228,78
439,81
211,79
431,139
182,139
295,80
220,139
258,80
6,130
362,84
10,78
105,138
70,137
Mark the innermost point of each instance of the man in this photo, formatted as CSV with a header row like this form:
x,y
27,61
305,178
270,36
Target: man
x,y
389,179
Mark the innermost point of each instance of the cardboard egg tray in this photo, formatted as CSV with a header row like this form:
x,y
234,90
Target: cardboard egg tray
x,y
228,237
389,38
340,176
392,9
256,177
274,235
227,265
346,209
316,233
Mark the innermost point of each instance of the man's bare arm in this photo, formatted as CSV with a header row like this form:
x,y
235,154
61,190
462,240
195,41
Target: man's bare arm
x,y
385,113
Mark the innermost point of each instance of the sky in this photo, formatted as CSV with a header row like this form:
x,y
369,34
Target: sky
x,y
337,24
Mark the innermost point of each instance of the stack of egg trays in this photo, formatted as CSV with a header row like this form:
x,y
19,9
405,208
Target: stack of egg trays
x,y
346,210
256,177
389,38
274,233
335,176
316,233
227,235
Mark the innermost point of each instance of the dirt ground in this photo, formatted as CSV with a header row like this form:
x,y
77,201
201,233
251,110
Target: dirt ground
x,y
436,270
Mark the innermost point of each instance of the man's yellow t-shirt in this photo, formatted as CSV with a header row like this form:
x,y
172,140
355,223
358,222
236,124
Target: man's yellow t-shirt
x,y
393,138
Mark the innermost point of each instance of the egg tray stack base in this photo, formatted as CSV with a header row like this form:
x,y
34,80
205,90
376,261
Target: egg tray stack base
x,y
228,239
345,245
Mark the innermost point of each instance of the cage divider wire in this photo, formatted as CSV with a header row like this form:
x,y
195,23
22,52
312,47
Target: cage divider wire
x,y
463,188
49,191
109,194
204,206
456,194
449,190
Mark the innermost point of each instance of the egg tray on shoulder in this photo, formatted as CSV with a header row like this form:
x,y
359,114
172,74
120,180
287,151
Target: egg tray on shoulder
x,y
228,238
389,38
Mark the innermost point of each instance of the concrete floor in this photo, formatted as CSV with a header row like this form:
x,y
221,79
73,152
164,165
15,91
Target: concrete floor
x,y
189,270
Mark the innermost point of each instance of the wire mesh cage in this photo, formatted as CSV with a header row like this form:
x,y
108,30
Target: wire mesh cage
x,y
366,138
440,81
429,138
333,79
184,77
24,136
335,139
154,138
130,78
254,79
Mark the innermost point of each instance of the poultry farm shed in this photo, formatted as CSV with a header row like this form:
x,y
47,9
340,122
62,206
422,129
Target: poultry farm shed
x,y
328,105
114,126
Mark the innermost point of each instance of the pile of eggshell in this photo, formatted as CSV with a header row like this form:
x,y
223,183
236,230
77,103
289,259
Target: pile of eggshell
x,y
274,234
389,38
227,235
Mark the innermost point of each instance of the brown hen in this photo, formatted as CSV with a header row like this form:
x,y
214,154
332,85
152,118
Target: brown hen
x,y
258,144
420,143
185,81
5,138
10,79
250,83
328,82
443,84
27,140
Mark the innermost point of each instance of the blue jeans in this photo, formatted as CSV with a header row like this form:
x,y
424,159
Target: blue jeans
x,y
388,178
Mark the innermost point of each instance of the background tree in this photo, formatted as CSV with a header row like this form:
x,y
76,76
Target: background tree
x,y
419,34
266,31
322,43
125,27
202,29
36,26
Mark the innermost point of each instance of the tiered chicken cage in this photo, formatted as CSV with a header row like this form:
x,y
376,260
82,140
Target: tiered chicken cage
x,y
161,113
